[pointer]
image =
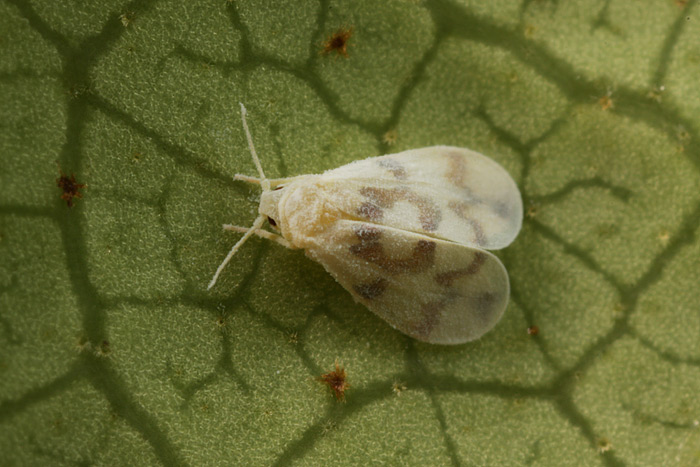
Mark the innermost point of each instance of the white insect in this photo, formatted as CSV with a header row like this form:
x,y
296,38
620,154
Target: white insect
x,y
404,233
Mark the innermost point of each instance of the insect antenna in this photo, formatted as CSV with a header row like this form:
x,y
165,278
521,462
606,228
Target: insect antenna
x,y
264,184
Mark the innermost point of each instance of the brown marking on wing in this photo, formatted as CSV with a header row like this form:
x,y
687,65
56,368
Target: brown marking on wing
x,y
367,233
371,212
385,198
371,250
483,304
485,300
382,197
456,169
371,290
430,317
504,209
396,169
462,210
446,279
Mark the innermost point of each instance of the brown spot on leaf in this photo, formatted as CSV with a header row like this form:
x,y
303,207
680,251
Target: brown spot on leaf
x,y
604,445
446,279
127,17
606,103
103,350
371,250
533,330
398,387
336,381
371,290
390,137
70,188
338,42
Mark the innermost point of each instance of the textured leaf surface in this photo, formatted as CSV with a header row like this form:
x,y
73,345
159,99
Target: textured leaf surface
x,y
113,352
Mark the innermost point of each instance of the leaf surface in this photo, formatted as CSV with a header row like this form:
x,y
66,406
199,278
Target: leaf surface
x,y
113,352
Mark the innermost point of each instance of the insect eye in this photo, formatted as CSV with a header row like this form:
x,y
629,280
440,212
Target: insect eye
x,y
271,221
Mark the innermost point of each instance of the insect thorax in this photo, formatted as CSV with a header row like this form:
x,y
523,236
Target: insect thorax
x,y
303,211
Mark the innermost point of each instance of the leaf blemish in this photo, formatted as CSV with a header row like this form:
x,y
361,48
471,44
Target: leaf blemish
x,y
337,381
70,187
338,42
606,102
126,18
532,210
103,350
604,445
390,137
83,344
398,387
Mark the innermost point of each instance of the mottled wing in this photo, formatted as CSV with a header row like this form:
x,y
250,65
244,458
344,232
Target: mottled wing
x,y
433,290
441,191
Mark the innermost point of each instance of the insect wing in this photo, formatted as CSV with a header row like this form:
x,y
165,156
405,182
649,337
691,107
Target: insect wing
x,y
433,290
441,191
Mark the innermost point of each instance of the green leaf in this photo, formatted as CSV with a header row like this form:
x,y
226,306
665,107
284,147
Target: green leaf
x,y
113,352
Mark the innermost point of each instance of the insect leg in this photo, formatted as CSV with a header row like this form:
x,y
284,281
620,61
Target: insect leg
x,y
260,233
245,178
256,225
256,181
